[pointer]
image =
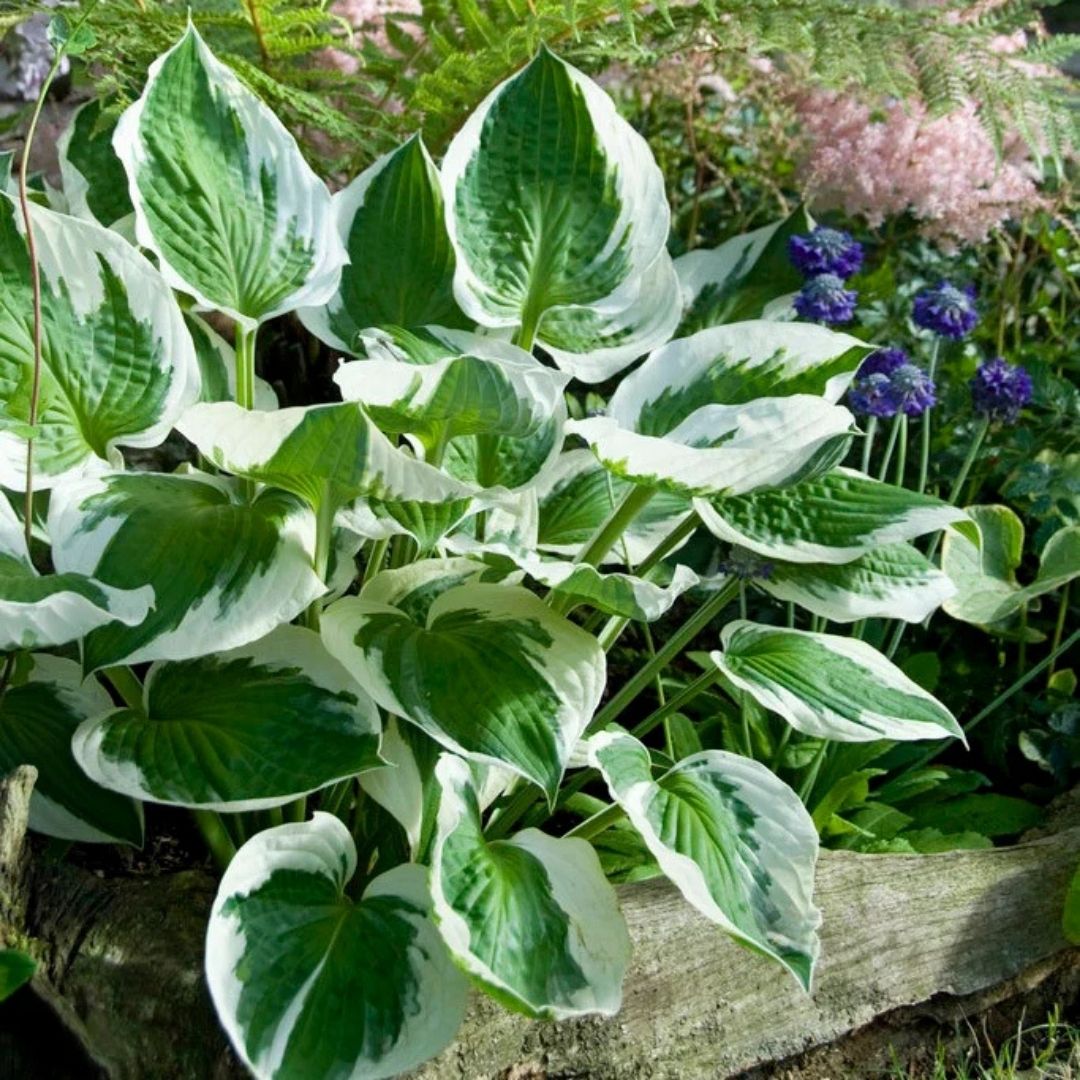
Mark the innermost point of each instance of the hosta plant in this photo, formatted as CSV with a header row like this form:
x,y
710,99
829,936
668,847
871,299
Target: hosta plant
x,y
366,641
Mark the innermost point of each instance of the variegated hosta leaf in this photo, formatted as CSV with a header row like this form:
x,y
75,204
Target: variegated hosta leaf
x,y
612,593
725,449
37,720
489,671
224,571
829,686
734,838
308,982
578,495
246,729
735,365
532,918
834,518
506,462
892,582
118,367
95,185
426,522
553,201
742,277
982,562
478,386
593,345
217,365
401,262
39,611
222,194
326,454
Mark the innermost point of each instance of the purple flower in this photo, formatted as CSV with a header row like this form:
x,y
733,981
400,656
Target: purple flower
x,y
825,251
825,299
882,362
912,390
947,310
871,395
1000,390
887,383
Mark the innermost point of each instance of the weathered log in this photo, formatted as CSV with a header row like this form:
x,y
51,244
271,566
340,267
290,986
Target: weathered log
x,y
121,963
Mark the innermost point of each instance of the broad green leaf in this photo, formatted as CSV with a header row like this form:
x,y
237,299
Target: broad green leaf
x,y
742,277
16,969
532,918
38,611
895,581
329,455
224,571
735,839
222,195
118,366
308,982
735,365
724,449
246,729
401,262
37,720
217,366
829,686
989,814
834,518
612,593
579,494
95,185
982,564
553,201
593,345
506,462
426,522
488,671
477,386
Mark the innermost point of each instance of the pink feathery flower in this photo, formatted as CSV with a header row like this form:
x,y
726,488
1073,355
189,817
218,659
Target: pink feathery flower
x,y
368,20
883,162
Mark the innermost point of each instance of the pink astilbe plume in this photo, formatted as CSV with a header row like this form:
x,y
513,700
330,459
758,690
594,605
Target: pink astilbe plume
x,y
897,159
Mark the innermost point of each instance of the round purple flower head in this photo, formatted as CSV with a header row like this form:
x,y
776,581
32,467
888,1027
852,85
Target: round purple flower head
x,y
825,251
1000,390
871,390
912,390
824,299
947,310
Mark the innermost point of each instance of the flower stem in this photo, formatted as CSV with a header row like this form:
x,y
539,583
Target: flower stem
x,y
593,826
216,836
868,443
901,456
376,559
324,537
924,432
126,684
806,788
1059,627
890,447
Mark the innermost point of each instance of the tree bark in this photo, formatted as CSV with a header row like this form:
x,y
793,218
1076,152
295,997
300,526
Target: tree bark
x,y
121,963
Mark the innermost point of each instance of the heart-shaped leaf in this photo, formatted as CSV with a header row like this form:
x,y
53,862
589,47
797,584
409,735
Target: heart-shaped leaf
x,y
38,611
329,455
553,201
489,671
829,686
594,345
16,969
531,918
37,720
725,449
834,518
308,982
223,570
982,562
118,366
246,729
892,582
95,185
222,195
735,839
390,218
741,278
442,384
